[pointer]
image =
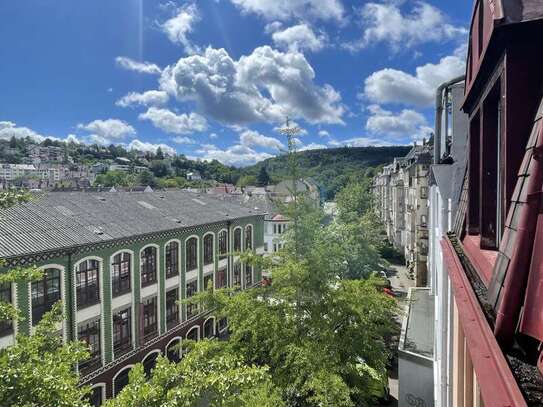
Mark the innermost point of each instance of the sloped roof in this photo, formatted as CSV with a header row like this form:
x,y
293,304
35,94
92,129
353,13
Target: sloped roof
x,y
55,220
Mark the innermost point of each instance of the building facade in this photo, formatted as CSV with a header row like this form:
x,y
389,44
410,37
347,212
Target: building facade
x,y
401,192
120,262
486,263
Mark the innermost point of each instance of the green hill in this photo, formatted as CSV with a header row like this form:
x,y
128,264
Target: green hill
x,y
331,168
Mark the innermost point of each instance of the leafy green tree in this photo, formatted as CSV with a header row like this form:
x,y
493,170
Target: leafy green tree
x,y
207,372
160,168
263,178
146,178
321,332
38,370
115,179
354,200
159,154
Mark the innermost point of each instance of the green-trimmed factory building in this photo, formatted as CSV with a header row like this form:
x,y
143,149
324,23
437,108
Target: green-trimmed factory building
x,y
120,262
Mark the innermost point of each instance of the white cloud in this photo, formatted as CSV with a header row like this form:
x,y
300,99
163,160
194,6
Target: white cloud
x,y
236,155
180,25
149,98
312,146
251,138
395,86
102,141
360,142
144,146
324,133
263,86
298,38
385,23
213,136
404,124
105,131
286,9
10,129
183,140
72,138
170,122
141,67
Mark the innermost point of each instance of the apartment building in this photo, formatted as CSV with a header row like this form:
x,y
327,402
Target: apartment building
x,y
487,230
120,262
401,192
40,154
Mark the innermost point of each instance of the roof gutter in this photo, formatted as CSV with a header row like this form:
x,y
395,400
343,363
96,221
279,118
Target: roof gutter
x,y
439,114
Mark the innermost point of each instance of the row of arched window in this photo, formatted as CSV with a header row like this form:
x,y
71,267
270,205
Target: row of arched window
x,y
47,291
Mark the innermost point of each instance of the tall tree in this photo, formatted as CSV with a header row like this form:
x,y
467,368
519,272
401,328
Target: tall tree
x,y
263,178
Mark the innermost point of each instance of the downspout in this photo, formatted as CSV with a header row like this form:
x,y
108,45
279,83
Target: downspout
x,y
439,115
517,273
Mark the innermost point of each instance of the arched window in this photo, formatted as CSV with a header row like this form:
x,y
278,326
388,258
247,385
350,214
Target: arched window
x,y
248,237
120,274
149,363
193,334
208,249
87,284
172,259
120,381
209,326
222,324
45,293
237,240
191,256
96,397
223,244
148,266
173,350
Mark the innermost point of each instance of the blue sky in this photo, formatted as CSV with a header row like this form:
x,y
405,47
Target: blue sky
x,y
216,78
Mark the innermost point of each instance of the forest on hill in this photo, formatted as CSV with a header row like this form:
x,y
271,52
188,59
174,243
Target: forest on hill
x,y
331,168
